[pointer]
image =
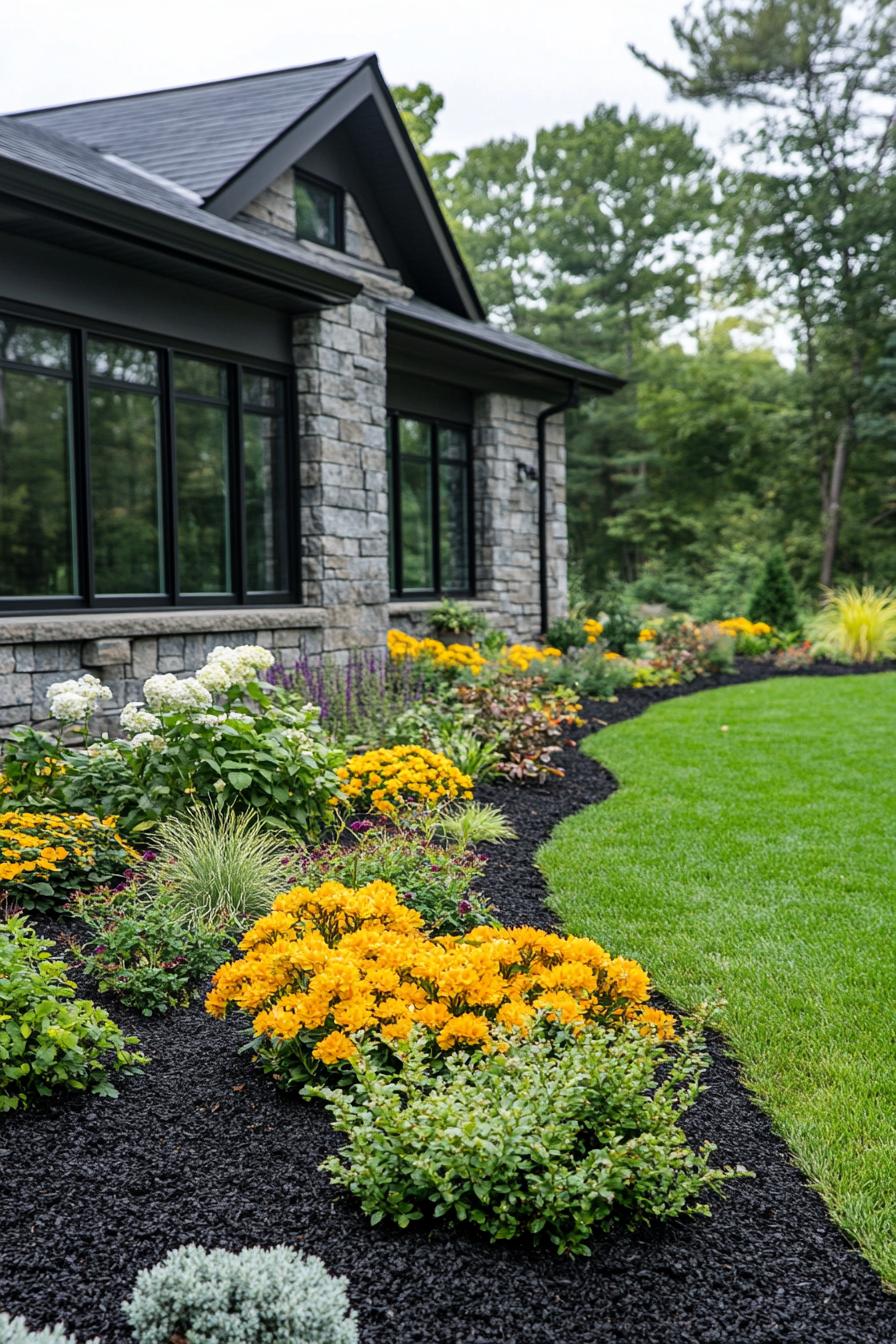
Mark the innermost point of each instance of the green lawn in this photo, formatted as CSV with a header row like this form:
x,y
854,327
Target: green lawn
x,y
759,864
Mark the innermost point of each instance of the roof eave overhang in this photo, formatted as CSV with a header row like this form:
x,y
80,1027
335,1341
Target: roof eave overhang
x,y
163,234
316,123
591,380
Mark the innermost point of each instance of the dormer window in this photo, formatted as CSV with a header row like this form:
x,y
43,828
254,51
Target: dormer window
x,y
318,211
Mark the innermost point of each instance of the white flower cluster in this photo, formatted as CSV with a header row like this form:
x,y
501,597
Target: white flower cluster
x,y
14,1330
257,1296
136,718
166,691
76,701
225,668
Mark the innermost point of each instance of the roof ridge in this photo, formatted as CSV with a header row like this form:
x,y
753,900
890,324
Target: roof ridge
x,y
185,88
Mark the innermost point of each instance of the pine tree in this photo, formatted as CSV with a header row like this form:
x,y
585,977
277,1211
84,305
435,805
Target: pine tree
x,y
774,600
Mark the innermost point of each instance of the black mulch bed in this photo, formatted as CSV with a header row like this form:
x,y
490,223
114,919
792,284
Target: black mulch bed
x,y
200,1149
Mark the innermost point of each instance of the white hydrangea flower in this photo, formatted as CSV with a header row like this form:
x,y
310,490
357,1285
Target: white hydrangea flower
x,y
148,740
165,691
136,718
227,667
75,701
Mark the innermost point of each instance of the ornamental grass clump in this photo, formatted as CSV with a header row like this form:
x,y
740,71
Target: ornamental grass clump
x,y
258,1295
857,623
45,855
218,867
556,1137
402,779
329,967
49,1040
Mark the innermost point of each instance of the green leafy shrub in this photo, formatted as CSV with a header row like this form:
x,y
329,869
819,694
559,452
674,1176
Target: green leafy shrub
x,y
433,879
621,628
256,1296
49,1040
556,1138
44,855
856,623
457,618
587,672
14,1330
567,633
774,599
219,868
141,949
218,737
472,756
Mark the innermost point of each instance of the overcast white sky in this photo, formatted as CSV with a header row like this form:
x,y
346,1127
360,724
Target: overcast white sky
x,y
504,66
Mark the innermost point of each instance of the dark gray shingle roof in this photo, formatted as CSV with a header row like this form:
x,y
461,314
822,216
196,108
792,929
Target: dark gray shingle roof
x,y
201,135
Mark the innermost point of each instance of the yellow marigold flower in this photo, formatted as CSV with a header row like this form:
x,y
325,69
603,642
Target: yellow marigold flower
x,y
335,1047
646,635
609,655
465,1029
593,629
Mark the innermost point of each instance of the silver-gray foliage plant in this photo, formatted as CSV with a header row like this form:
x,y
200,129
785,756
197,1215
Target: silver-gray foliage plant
x,y
255,1296
14,1330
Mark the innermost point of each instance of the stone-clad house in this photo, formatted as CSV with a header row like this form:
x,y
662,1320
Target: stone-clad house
x,y
248,391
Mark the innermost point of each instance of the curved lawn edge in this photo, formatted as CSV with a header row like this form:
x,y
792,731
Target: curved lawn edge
x,y
691,867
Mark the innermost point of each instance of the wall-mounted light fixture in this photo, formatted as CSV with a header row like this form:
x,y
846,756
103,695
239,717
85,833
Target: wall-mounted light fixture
x,y
525,473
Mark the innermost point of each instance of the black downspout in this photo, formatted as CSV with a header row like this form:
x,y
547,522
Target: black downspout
x,y
572,399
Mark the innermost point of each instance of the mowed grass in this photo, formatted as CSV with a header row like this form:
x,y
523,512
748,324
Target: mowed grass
x,y
758,864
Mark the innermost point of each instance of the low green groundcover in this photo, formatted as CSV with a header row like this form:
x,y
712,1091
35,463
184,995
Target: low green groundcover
x,y
750,852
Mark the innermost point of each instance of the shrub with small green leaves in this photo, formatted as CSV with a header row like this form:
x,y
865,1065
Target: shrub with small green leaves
x,y
774,600
14,1330
255,1296
142,949
50,1040
558,1137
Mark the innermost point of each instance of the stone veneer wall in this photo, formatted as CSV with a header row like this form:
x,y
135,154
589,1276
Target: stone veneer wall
x,y
506,508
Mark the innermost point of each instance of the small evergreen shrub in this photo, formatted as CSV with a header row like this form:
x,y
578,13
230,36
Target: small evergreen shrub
x,y
557,1138
255,1296
774,600
14,1330
48,1038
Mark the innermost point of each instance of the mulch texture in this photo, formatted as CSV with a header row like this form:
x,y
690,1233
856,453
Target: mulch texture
x,y
201,1148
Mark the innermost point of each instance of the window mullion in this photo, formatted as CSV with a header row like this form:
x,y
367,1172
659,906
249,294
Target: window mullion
x,y
436,509
239,549
396,498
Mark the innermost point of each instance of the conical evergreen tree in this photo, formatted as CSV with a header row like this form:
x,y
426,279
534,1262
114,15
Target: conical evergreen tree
x,y
774,600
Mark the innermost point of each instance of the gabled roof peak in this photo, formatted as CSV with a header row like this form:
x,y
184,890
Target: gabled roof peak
x,y
353,61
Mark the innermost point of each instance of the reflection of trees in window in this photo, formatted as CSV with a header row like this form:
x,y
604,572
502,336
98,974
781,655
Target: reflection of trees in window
x,y
143,458
125,469
429,504
264,467
37,532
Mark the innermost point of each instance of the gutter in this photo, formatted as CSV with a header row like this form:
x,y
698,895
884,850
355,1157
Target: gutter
x,y
172,235
572,399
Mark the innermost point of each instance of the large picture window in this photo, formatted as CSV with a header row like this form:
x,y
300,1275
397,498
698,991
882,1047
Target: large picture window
x,y
430,505
132,474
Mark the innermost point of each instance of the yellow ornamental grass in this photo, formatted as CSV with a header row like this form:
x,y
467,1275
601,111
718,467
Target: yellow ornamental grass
x,y
326,967
391,780
857,622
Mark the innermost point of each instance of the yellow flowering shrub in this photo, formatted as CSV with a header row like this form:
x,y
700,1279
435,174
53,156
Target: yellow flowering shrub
x,y
445,657
391,780
44,855
329,964
521,656
593,629
742,625
647,635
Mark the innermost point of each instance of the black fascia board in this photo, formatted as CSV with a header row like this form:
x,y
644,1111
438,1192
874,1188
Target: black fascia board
x,y
159,232
317,122
588,378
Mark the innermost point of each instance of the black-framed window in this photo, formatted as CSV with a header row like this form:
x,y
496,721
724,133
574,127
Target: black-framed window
x,y
430,507
135,474
320,209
